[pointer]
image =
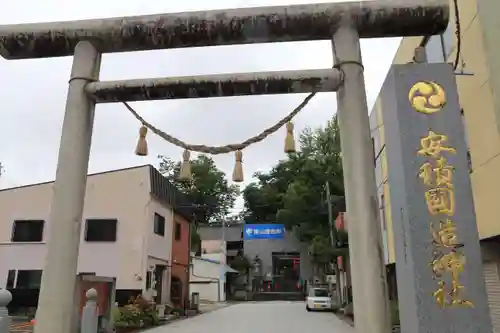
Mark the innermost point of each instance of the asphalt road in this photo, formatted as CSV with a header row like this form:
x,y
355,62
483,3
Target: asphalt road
x,y
252,317
263,317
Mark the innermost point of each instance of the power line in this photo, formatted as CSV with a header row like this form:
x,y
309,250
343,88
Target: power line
x,y
457,33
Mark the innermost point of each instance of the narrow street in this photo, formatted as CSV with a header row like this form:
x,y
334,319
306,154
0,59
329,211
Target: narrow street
x,y
264,317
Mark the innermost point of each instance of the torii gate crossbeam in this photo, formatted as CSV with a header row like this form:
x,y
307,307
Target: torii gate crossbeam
x,y
343,23
372,19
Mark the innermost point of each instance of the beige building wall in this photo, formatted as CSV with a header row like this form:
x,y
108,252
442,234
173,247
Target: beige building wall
x,y
212,246
124,195
205,280
381,177
478,83
479,98
159,248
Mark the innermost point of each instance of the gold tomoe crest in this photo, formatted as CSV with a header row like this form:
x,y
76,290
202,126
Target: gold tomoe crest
x,y
427,97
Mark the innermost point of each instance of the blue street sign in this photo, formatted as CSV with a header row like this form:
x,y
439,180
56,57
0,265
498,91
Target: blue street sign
x,y
263,231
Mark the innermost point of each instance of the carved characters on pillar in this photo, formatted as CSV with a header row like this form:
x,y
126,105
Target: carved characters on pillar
x,y
437,175
448,260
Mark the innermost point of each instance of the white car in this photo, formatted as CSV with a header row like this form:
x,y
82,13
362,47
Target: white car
x,y
319,299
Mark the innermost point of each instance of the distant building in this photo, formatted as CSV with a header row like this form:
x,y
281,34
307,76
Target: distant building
x,y
283,264
208,277
135,228
213,246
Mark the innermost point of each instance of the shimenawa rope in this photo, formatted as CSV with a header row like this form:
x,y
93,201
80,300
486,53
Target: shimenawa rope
x,y
185,173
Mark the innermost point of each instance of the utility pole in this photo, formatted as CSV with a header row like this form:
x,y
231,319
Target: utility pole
x,y
330,215
222,277
2,169
333,242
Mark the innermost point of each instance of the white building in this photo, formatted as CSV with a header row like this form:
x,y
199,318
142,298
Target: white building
x,y
208,277
127,230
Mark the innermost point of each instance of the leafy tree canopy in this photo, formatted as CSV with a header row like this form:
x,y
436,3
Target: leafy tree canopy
x,y
240,263
293,191
209,191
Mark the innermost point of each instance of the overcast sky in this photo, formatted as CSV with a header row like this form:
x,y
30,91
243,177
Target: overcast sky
x,y
33,92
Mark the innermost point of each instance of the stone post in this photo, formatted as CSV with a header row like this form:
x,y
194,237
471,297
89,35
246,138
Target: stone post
x,y
5,320
90,314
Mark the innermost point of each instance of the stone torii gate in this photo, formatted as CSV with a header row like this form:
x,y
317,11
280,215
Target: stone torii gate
x,y
343,23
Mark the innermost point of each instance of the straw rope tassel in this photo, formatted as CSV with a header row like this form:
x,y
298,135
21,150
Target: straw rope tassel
x,y
142,145
185,173
289,139
238,167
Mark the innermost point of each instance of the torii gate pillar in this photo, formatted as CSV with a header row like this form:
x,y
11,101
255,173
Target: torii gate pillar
x,y
55,305
370,297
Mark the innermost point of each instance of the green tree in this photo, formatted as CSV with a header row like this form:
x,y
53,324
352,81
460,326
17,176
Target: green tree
x,y
264,198
293,191
240,263
210,192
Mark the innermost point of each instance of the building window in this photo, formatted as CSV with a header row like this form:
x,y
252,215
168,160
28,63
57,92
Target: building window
x,y
234,245
101,230
29,279
11,278
382,211
159,225
374,154
177,231
27,231
464,125
149,276
469,161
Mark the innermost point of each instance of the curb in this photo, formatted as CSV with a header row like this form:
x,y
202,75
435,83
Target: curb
x,y
197,315
350,322
215,309
183,318
345,319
